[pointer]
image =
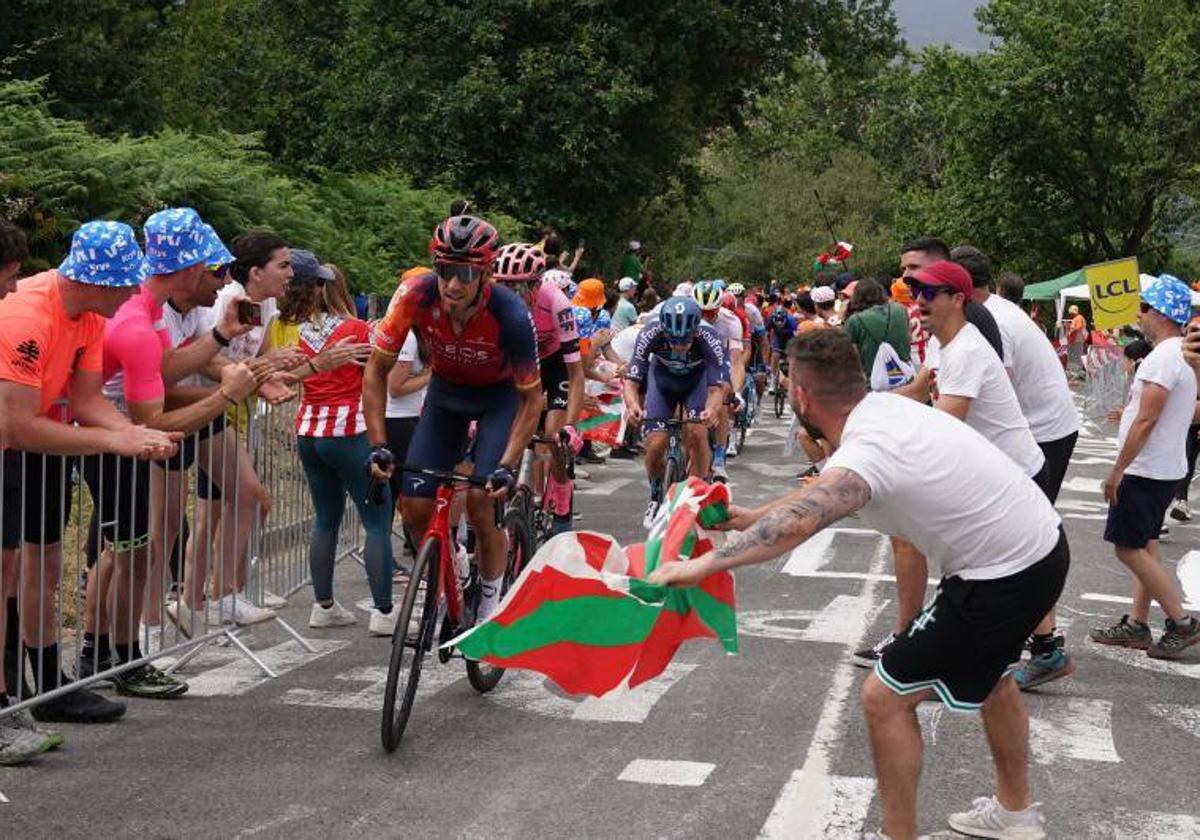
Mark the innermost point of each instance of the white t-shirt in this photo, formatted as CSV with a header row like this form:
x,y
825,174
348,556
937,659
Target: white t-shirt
x,y
408,405
184,327
247,345
754,314
624,341
938,484
729,327
1164,455
1037,375
969,367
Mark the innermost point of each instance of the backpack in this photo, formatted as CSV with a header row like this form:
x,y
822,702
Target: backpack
x,y
889,371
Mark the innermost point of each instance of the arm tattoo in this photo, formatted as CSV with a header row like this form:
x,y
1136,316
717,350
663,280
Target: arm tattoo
x,y
836,494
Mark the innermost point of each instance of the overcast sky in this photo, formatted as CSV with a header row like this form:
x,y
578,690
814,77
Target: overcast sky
x,y
939,22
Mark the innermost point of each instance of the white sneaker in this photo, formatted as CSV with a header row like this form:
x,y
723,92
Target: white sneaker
x,y
1180,511
272,601
720,473
382,625
651,512
731,450
188,620
489,600
234,609
987,818
335,615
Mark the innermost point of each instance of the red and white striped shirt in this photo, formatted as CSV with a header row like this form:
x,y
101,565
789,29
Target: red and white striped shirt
x,y
332,402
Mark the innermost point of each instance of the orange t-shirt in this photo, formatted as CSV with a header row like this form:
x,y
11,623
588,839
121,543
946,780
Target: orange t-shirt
x,y
40,347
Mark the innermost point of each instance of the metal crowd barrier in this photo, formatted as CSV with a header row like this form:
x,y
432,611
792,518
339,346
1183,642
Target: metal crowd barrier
x,y
1104,383
200,551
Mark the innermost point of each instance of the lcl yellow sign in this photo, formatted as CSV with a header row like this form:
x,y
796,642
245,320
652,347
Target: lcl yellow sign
x,y
1115,292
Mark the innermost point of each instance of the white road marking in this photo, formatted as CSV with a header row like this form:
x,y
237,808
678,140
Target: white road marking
x,y
1194,603
1188,572
1186,718
811,799
3,799
815,552
825,625
369,698
1153,825
876,577
602,488
1079,484
528,691
650,771
773,470
1139,659
290,814
1072,728
242,675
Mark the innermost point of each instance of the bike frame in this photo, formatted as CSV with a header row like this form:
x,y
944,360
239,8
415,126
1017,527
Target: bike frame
x,y
439,527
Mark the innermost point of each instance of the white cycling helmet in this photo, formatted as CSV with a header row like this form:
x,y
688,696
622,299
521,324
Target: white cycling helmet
x,y
684,289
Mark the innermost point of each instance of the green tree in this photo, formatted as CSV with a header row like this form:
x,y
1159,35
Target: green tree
x,y
1074,140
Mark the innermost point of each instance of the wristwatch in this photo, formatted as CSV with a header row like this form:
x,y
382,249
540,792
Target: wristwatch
x,y
220,339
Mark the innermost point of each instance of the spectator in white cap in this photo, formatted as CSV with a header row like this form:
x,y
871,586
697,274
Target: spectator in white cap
x,y
824,297
626,313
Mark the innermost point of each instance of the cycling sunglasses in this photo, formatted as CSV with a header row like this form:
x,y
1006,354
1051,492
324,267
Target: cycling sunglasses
x,y
219,271
465,273
928,293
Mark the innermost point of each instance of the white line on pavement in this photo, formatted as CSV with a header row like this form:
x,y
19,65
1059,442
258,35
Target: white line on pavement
x,y
649,771
528,691
815,552
868,576
1125,599
1072,727
1186,718
810,804
1139,659
602,488
1188,572
242,675
1152,825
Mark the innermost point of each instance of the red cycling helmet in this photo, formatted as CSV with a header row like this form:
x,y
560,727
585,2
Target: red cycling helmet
x,y
464,239
519,262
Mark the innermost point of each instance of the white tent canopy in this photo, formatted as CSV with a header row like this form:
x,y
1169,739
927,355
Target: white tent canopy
x,y
1081,293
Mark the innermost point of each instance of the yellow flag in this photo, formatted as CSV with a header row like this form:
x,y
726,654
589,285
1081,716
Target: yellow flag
x,y
1115,292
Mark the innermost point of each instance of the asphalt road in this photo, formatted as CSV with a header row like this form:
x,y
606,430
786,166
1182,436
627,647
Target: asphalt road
x,y
766,743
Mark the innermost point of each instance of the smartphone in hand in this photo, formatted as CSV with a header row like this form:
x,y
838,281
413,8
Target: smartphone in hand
x,y
249,313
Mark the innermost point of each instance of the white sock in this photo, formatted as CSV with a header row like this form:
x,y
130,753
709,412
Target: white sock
x,y
489,598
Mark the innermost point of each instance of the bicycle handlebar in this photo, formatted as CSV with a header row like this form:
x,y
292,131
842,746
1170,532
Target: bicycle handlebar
x,y
443,476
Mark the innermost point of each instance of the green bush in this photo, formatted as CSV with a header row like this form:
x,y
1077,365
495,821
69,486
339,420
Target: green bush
x,y
55,174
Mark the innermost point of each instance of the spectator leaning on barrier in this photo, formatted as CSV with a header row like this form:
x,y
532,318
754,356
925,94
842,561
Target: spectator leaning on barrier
x,y
179,246
225,519
51,348
1151,459
332,441
406,386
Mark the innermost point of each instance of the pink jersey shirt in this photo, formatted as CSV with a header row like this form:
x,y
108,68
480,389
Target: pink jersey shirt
x,y
554,320
134,341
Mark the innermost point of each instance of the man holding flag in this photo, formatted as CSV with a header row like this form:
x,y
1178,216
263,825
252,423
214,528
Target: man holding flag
x,y
998,581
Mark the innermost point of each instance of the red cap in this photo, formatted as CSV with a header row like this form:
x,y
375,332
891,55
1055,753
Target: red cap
x,y
948,274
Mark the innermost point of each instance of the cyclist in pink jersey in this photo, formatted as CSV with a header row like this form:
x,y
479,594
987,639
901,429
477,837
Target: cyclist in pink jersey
x,y
522,266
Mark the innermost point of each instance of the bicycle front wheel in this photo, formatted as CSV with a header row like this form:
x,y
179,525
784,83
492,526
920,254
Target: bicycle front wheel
x,y
482,676
411,642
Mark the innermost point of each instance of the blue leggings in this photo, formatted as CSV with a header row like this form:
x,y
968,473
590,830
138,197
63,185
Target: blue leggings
x,y
336,466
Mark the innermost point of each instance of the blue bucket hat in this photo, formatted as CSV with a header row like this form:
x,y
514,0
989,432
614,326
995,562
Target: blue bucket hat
x,y
218,254
105,254
1170,297
177,238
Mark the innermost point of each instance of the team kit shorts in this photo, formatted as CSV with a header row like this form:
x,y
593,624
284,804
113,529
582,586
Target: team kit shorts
x,y
971,634
666,392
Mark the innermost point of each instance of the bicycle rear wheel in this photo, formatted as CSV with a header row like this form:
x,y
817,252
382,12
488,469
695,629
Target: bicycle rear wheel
x,y
780,398
482,676
404,668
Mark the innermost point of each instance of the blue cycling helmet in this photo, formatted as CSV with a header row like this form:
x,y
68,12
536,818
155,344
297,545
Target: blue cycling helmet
x,y
680,317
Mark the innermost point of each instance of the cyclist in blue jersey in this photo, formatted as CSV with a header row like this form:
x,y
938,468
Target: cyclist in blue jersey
x,y
678,360
781,327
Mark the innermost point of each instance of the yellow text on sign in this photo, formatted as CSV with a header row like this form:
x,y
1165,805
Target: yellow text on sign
x,y
1115,292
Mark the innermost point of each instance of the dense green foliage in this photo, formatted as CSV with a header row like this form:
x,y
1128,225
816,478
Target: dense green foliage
x,y
57,174
701,127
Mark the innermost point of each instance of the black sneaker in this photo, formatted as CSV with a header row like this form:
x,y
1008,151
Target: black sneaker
x,y
80,706
1125,633
90,665
149,682
1177,638
867,657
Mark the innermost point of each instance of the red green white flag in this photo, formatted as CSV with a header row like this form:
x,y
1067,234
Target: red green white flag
x,y
606,423
582,613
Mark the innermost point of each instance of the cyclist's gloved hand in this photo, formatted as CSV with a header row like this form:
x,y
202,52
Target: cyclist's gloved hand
x,y
573,438
501,481
739,404
382,460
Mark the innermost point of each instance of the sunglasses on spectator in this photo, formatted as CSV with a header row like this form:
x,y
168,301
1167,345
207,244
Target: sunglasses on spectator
x,y
465,273
220,271
929,292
